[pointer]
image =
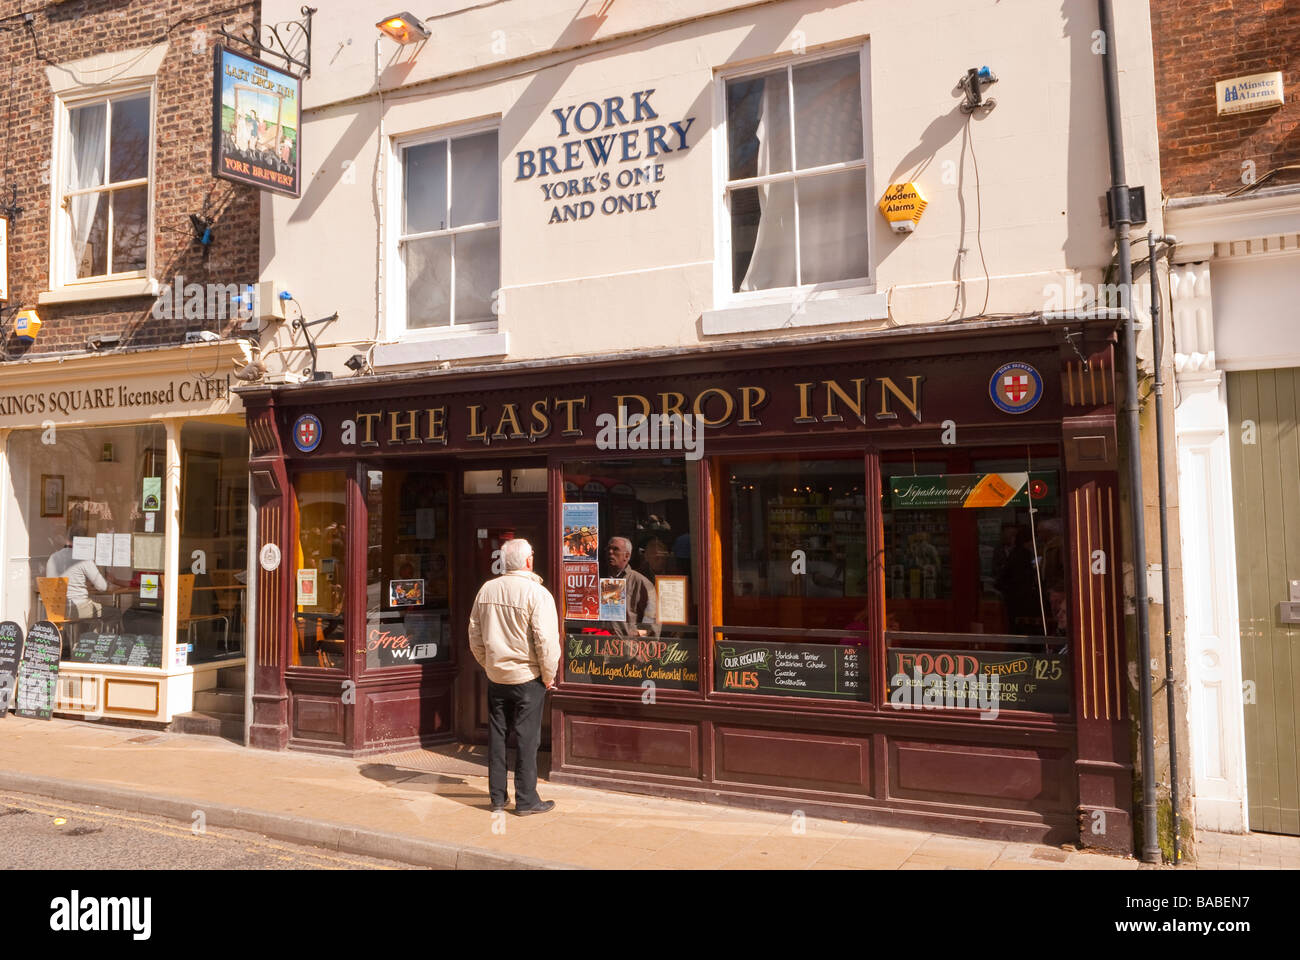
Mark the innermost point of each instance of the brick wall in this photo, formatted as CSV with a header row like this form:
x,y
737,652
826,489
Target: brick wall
x,y
1198,42
183,183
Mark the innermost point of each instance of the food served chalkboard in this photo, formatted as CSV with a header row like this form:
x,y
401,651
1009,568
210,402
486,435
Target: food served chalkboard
x,y
1025,681
11,648
127,649
792,669
38,671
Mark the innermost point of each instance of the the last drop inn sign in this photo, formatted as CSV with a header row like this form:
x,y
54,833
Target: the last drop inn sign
x,y
827,399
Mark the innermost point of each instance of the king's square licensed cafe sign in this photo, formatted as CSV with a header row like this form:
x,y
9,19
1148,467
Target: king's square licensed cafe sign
x,y
115,400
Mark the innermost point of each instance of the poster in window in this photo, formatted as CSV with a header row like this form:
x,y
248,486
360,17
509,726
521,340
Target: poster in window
x,y
671,591
151,494
256,123
307,592
581,590
406,593
613,598
581,533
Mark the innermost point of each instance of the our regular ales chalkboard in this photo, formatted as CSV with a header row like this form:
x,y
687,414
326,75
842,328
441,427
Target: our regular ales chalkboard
x,y
127,649
792,669
38,671
11,648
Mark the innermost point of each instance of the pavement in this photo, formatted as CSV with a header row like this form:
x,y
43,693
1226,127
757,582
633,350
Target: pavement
x,y
430,808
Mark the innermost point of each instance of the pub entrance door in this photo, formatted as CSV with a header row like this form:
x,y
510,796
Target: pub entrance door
x,y
483,528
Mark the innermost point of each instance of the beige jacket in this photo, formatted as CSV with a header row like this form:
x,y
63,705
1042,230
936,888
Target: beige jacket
x,y
513,630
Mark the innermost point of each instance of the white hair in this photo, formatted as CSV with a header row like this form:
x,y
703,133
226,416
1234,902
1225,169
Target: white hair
x,y
627,544
515,554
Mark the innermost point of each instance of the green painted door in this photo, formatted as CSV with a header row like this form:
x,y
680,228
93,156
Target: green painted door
x,y
1263,409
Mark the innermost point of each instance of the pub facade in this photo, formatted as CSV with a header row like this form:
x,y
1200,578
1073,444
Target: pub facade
x,y
827,528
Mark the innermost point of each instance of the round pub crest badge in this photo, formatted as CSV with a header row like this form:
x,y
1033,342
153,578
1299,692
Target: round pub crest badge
x,y
307,433
1016,388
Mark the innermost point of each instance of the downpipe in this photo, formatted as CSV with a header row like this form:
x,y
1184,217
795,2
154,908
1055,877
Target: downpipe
x,y
1120,206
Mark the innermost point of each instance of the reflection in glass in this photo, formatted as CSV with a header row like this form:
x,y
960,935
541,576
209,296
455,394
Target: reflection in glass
x,y
320,511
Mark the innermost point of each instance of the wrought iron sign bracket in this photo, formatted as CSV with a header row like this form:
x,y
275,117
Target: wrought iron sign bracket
x,y
278,46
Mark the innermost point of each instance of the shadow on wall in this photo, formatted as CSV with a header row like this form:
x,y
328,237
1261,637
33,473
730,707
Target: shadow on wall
x,y
1088,156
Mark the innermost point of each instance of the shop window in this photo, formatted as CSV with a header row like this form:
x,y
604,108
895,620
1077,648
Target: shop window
x,y
629,585
92,504
103,196
408,569
796,192
320,568
449,240
214,539
797,585
975,573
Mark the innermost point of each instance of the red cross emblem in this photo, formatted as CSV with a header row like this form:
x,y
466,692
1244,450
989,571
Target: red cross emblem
x,y
307,433
1016,386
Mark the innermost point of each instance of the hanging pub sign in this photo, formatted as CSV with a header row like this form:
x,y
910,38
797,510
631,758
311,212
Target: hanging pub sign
x,y
4,258
256,121
947,491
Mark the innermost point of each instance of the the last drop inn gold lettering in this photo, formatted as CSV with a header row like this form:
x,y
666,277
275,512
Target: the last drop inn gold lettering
x,y
817,401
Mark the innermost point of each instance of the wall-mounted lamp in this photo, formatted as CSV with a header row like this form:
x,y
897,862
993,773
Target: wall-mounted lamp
x,y
404,28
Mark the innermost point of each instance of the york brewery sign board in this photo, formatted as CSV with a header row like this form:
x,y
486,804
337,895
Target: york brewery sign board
x,y
792,669
256,123
38,671
11,648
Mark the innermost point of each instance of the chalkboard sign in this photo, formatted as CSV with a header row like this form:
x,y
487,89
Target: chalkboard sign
x,y
669,662
1025,681
127,649
792,669
38,671
11,648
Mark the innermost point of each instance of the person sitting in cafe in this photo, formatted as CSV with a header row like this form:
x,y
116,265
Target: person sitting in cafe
x,y
80,574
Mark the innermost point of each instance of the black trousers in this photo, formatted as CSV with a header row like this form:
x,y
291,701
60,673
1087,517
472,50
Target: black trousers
x,y
516,707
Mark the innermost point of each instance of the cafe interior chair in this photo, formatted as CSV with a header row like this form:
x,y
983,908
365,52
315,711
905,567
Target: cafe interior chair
x,y
186,618
54,597
229,594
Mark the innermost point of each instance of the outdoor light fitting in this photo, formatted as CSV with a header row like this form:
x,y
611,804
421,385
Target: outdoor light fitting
x,y
404,28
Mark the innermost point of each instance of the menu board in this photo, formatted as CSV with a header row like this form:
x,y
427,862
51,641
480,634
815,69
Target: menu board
x,y
11,648
38,671
1026,681
792,669
127,649
673,663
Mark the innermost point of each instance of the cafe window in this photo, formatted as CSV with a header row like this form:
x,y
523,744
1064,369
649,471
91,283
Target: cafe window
x,y
796,581
408,568
92,503
214,539
796,191
320,568
629,583
450,232
975,571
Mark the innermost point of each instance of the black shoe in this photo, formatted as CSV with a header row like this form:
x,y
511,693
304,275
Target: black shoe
x,y
498,807
546,806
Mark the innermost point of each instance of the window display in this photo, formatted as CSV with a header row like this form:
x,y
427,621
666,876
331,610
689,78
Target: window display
x,y
95,516
320,517
408,568
628,581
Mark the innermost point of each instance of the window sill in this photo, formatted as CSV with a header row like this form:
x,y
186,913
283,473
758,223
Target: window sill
x,y
805,313
103,290
435,349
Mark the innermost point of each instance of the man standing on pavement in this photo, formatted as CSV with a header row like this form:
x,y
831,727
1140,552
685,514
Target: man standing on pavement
x,y
514,635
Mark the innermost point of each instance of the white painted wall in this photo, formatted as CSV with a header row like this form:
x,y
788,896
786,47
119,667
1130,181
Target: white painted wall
x,y
646,279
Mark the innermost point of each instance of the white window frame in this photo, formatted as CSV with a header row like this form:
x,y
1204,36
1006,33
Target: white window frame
x,y
724,296
395,327
64,285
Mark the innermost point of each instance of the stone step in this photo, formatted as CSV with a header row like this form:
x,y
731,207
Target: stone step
x,y
219,700
232,678
228,726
